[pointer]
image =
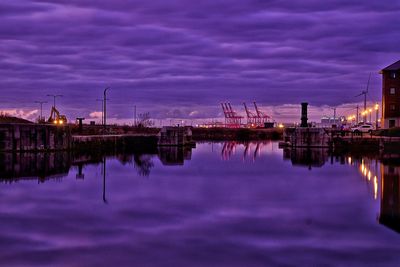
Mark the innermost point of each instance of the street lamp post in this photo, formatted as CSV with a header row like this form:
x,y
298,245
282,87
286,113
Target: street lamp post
x,y
102,110
54,99
377,114
134,116
357,115
105,108
54,104
41,109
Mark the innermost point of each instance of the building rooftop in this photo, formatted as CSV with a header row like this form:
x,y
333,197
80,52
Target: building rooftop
x,y
394,66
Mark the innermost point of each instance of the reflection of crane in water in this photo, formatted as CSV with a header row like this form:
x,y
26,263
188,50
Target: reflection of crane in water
x,y
229,148
256,151
246,150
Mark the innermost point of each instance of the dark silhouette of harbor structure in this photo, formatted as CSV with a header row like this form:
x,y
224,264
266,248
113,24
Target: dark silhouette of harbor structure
x,y
390,198
42,166
34,137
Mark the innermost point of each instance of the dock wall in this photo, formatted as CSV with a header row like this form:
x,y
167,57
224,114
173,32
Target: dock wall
x,y
236,134
34,137
113,142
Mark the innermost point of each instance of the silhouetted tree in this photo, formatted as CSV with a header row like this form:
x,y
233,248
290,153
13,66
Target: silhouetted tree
x,y
144,120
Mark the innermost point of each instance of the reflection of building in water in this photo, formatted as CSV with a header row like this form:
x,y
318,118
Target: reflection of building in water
x,y
174,155
311,157
388,172
390,198
15,166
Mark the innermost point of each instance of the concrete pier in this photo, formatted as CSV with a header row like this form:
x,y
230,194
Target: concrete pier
x,y
338,140
306,137
175,136
19,137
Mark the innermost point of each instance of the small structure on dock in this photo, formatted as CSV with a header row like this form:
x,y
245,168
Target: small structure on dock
x,y
305,136
175,136
304,115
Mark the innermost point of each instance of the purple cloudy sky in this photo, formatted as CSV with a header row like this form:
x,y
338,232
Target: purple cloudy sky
x,y
180,59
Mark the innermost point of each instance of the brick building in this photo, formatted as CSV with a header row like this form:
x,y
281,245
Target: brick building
x,y
391,95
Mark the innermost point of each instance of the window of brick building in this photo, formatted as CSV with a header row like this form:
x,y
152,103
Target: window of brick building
x,y
392,107
393,75
392,91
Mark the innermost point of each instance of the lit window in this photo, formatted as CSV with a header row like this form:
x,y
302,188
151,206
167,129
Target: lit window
x,y
392,107
392,91
393,75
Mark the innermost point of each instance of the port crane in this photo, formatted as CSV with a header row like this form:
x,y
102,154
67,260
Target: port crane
x,y
232,119
252,119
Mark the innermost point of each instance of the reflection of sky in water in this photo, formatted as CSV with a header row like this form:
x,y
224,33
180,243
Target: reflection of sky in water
x,y
211,211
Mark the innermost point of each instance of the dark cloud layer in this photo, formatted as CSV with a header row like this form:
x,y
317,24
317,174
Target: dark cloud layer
x,y
184,57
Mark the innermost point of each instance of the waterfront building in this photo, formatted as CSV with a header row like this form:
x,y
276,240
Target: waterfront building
x,y
391,95
328,121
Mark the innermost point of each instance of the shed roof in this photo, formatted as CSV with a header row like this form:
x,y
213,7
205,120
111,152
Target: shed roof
x,y
394,66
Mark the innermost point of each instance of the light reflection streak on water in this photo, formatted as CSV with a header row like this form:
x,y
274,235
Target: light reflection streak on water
x,y
375,187
366,169
253,151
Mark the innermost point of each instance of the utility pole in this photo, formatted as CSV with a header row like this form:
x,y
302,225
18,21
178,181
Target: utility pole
x,y
54,99
105,108
102,110
365,108
334,115
365,102
41,109
134,115
357,114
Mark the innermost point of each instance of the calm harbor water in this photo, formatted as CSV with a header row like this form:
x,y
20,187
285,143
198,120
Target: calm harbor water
x,y
220,204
